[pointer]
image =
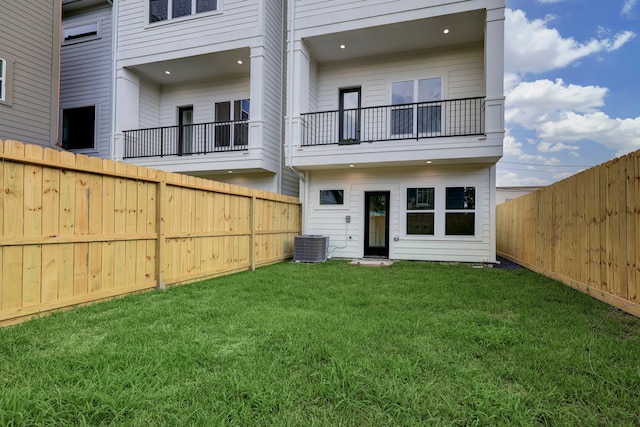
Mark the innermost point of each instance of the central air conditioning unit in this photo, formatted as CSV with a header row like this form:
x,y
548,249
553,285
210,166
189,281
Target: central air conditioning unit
x,y
310,248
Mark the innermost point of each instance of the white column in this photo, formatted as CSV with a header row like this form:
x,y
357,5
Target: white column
x,y
127,108
256,88
298,93
494,73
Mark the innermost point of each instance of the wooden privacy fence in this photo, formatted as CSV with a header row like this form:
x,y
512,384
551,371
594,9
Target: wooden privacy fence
x,y
76,229
583,231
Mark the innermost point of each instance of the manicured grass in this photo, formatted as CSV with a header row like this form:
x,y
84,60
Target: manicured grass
x,y
330,344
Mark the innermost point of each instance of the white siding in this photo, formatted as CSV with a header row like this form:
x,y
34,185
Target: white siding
x,y
202,96
461,71
273,83
29,32
347,239
197,34
311,14
150,99
86,74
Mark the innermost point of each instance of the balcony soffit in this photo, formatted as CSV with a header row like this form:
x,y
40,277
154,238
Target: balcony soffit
x,y
196,68
410,36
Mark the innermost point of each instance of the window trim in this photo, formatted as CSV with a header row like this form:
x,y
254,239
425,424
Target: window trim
x,y
169,20
345,206
463,210
330,204
96,123
7,80
440,211
82,37
3,77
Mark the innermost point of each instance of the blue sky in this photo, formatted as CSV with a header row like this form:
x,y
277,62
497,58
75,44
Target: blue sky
x,y
572,86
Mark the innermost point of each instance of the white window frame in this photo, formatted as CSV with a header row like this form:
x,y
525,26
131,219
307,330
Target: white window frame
x,y
440,212
3,78
170,19
96,124
6,81
81,32
414,108
473,210
345,198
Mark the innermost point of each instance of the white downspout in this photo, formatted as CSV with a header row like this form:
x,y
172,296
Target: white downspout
x,y
114,81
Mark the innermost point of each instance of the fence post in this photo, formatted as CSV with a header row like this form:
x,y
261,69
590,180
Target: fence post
x,y
161,245
252,235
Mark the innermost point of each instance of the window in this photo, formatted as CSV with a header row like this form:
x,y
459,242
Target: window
x,y
232,124
3,78
81,33
420,211
460,211
417,111
78,127
161,10
331,197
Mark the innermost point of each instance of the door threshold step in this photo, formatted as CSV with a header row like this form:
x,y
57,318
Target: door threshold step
x,y
372,262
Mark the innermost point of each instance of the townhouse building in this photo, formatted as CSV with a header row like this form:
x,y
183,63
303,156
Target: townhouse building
x,y
386,117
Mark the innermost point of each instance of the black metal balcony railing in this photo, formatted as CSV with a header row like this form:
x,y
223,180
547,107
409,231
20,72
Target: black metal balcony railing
x,y
457,117
201,138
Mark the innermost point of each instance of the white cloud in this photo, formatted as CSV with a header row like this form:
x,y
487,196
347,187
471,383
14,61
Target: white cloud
x,y
532,47
513,179
627,8
561,114
621,135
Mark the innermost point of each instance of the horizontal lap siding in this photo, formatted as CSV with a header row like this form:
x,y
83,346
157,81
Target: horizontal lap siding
x,y
32,27
138,38
461,71
85,73
312,13
273,84
330,221
202,96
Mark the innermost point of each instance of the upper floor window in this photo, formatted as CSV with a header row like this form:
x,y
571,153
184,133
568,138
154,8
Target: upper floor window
x,y
161,10
3,73
81,33
417,108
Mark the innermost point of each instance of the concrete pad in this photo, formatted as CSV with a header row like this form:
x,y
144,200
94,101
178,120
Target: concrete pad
x,y
372,262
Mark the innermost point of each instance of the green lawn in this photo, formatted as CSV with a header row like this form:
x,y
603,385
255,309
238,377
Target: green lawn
x,y
330,344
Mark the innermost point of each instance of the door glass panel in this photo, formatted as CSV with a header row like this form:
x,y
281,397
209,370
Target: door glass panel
x,y
350,104
223,129
185,122
349,126
377,220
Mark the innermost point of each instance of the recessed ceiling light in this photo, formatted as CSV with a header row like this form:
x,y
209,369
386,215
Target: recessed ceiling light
x,y
167,72
240,62
343,46
446,31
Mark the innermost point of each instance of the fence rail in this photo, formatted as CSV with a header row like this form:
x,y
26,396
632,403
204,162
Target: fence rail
x,y
455,117
201,138
583,231
75,229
